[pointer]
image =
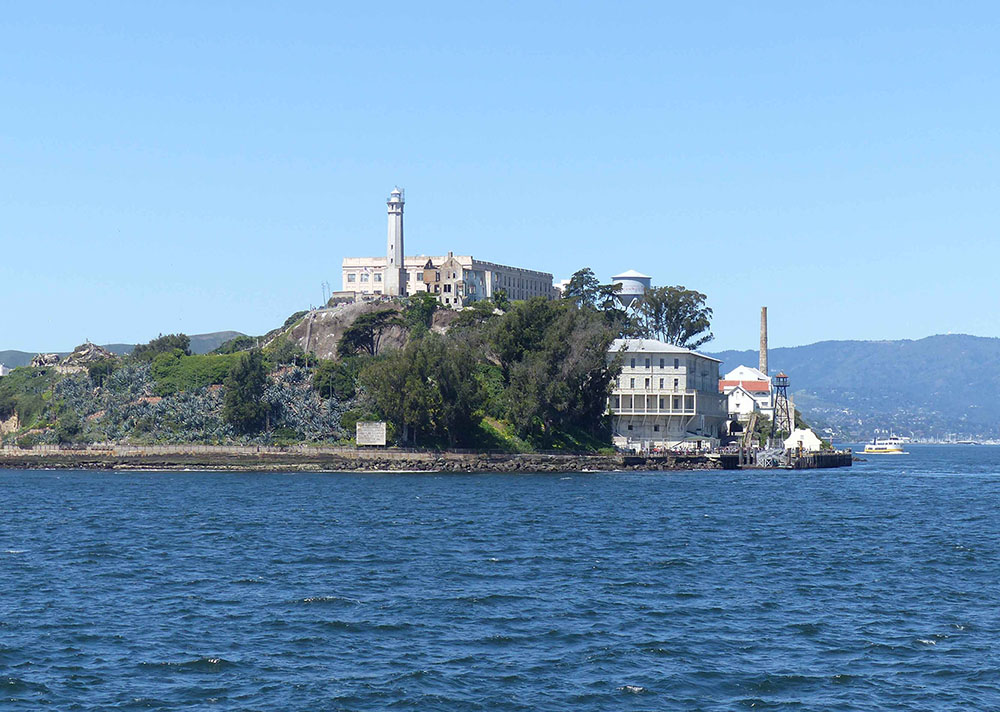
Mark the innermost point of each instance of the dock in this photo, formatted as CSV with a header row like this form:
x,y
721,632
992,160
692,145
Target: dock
x,y
790,460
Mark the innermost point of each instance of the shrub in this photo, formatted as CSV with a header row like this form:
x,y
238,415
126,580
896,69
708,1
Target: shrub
x,y
163,344
174,372
28,441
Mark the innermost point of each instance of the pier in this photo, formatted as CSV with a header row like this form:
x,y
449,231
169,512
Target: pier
x,y
790,460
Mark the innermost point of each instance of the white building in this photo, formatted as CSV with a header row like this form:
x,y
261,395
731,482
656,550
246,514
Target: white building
x,y
666,397
466,278
747,389
457,280
3,370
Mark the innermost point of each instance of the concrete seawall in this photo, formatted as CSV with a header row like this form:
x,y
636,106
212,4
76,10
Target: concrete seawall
x,y
328,459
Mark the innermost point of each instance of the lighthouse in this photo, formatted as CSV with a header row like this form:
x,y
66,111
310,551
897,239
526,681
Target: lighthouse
x,y
395,270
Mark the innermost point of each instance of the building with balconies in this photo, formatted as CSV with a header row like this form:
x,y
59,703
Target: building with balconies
x,y
666,397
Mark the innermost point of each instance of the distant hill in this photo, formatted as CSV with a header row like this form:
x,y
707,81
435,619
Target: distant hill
x,y
930,387
200,344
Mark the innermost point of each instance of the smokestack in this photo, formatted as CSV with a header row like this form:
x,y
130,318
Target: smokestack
x,y
763,340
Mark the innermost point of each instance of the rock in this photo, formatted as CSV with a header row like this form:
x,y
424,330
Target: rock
x,y
87,353
44,360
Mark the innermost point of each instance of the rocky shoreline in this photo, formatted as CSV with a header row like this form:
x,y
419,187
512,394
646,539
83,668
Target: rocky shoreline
x,y
249,459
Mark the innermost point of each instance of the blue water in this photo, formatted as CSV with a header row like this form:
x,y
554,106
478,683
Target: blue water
x,y
871,588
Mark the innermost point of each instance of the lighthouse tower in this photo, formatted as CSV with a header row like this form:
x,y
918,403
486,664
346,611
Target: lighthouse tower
x,y
394,283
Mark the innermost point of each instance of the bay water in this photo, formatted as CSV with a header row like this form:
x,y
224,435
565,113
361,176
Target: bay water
x,y
874,587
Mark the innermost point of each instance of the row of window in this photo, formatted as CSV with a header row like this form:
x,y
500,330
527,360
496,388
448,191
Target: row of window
x,y
663,363
631,383
364,277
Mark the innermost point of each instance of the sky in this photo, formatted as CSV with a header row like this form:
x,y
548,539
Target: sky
x,y
205,166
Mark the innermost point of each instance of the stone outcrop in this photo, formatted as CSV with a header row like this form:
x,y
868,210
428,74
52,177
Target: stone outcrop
x,y
87,353
44,360
320,330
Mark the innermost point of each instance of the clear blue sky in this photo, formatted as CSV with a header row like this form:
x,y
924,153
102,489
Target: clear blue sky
x,y
199,166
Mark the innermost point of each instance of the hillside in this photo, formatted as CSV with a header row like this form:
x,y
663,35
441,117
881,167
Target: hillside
x,y
200,344
930,387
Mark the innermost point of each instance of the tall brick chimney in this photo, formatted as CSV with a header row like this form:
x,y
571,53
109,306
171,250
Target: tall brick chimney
x,y
763,341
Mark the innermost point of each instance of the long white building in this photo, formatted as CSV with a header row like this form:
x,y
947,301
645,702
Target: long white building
x,y
456,280
666,397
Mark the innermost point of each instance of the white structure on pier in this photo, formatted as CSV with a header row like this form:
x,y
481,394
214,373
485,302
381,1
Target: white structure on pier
x,y
666,397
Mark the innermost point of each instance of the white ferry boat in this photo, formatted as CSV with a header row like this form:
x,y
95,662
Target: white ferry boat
x,y
891,445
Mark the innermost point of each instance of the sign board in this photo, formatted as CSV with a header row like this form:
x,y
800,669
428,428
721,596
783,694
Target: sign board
x,y
370,432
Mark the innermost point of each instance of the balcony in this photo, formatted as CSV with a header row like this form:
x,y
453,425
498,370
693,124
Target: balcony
x,y
656,401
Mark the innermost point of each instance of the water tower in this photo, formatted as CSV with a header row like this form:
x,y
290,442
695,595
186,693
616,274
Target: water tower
x,y
634,285
783,421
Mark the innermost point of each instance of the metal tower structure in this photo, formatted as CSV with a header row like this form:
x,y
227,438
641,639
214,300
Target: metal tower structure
x,y
782,421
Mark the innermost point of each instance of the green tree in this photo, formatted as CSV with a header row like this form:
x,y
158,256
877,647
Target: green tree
x,y
337,379
365,334
500,300
418,313
237,343
283,351
100,370
477,313
428,388
563,381
522,329
162,344
68,426
675,315
583,288
243,405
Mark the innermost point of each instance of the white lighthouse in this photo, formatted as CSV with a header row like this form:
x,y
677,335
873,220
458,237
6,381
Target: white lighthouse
x,y
395,271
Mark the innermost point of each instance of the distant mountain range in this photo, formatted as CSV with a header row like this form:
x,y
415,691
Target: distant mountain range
x,y
200,344
931,387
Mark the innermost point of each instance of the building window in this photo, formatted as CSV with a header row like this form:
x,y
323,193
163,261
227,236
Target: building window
x,y
447,287
378,278
677,383
631,383
647,363
661,383
647,383
656,428
632,364
661,404
630,426
364,277
677,363
352,278
662,361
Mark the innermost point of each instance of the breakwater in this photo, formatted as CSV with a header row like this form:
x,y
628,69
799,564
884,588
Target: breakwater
x,y
331,459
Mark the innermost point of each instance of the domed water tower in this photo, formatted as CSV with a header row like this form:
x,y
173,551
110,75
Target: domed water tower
x,y
634,285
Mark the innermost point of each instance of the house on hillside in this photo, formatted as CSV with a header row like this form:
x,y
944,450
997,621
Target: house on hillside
x,y
747,389
666,397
